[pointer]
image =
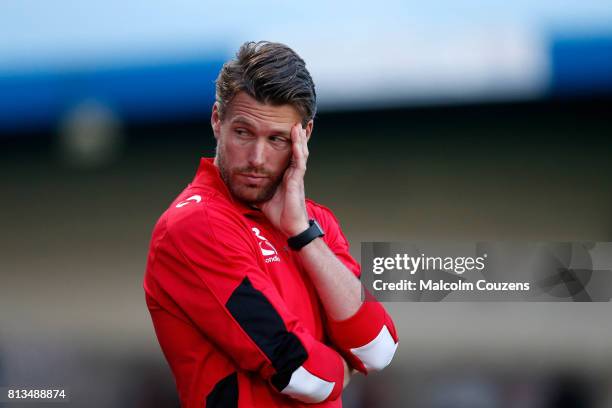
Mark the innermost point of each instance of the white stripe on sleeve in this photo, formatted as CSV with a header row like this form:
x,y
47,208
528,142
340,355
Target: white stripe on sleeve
x,y
378,353
307,387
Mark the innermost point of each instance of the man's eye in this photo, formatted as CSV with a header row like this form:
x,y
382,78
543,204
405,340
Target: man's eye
x,y
278,140
241,132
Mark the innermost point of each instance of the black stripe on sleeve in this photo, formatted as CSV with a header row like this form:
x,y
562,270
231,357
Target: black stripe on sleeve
x,y
224,394
262,323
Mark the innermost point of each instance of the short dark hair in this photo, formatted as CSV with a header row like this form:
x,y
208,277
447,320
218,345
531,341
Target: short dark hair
x,y
271,73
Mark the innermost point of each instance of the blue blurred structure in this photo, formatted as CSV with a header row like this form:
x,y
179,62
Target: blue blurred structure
x,y
582,65
157,62
36,101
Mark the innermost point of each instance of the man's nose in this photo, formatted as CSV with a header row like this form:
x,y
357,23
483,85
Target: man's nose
x,y
257,154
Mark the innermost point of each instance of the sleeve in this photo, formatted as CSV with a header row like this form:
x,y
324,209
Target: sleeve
x,y
222,287
368,339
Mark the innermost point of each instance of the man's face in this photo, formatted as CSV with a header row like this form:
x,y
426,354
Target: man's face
x,y
254,146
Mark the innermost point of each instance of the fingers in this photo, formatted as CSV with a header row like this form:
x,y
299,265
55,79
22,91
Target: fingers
x,y
299,147
304,141
296,151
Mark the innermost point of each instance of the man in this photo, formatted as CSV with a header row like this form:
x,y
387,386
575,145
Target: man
x,y
253,294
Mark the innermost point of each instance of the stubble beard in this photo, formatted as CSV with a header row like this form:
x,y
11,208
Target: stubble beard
x,y
262,195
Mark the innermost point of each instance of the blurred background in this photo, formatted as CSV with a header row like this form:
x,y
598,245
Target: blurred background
x,y
472,120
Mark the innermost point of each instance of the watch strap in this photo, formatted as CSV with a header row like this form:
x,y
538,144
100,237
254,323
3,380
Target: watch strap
x,y
302,239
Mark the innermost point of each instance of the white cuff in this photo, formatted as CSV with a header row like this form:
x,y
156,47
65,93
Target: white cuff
x,y
378,353
307,387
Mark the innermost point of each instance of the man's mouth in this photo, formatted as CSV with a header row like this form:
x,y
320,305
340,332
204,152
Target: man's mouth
x,y
252,178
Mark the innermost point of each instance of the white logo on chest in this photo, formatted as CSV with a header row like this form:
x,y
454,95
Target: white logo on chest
x,y
267,249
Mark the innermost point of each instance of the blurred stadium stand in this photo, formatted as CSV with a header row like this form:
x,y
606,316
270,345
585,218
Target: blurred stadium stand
x,y
496,131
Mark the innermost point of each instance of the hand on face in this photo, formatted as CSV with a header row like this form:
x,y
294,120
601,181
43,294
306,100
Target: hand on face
x,y
286,210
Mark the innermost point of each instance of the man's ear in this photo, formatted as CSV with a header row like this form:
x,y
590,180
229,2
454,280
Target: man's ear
x,y
309,127
215,120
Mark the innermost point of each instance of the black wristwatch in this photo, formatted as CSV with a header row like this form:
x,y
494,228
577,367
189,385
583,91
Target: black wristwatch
x,y
304,238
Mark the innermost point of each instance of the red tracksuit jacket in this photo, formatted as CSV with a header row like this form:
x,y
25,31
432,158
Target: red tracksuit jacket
x,y
236,315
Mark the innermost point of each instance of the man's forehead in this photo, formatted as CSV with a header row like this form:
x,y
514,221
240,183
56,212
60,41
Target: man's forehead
x,y
245,109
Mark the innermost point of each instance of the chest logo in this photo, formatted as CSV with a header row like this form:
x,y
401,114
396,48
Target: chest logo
x,y
267,249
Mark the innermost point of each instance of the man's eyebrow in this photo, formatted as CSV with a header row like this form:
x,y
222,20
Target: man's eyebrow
x,y
243,120
246,121
281,132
